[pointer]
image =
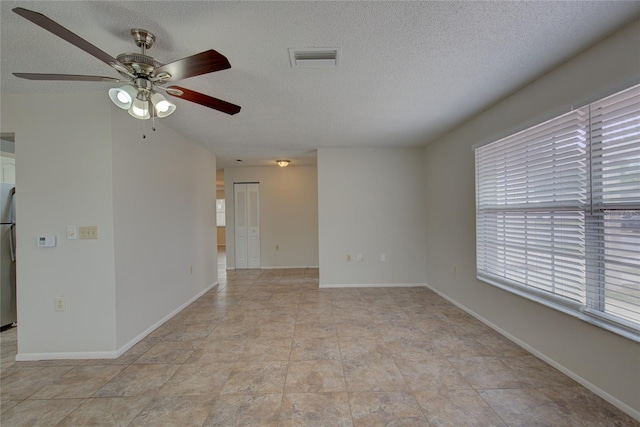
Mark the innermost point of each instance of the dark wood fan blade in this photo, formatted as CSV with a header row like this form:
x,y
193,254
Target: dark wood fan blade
x,y
73,77
63,33
202,99
195,65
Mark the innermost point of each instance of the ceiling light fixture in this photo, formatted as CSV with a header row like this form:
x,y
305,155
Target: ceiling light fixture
x,y
283,163
141,102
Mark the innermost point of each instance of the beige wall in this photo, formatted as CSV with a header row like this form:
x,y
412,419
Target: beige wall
x,y
64,177
371,203
288,214
606,362
84,162
165,223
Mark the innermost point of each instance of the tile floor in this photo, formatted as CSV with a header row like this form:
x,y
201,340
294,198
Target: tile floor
x,y
269,348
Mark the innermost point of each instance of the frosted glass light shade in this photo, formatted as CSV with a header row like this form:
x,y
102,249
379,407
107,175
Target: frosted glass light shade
x,y
163,107
123,96
139,109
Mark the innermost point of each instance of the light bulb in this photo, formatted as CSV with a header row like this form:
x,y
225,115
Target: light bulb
x,y
123,97
139,109
162,106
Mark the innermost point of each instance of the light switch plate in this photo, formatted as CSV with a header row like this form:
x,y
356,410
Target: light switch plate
x,y
72,232
88,232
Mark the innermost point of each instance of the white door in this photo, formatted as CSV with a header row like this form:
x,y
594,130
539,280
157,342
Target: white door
x,y
253,221
247,225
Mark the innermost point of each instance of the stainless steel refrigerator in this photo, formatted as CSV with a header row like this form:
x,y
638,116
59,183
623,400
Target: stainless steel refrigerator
x,y
7,255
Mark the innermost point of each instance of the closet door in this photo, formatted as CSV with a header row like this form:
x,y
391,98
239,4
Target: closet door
x,y
253,222
247,225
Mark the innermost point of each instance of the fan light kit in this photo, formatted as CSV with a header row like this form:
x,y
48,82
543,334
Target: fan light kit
x,y
283,163
143,74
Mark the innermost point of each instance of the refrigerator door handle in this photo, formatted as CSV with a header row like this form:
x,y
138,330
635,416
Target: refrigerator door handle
x,y
12,243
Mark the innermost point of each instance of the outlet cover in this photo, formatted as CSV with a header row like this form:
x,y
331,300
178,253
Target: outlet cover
x,y
88,232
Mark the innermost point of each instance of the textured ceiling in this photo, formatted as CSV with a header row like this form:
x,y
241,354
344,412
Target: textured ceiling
x,y
409,71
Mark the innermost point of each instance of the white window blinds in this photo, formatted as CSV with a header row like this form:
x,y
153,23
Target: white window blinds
x,y
558,211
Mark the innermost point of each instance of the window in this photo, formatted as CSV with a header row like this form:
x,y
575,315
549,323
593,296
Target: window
x,y
558,213
220,215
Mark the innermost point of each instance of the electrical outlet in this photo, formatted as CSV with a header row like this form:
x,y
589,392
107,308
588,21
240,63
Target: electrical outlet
x,y
88,232
359,258
61,304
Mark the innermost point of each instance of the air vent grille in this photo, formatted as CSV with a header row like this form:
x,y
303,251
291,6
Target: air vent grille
x,y
315,57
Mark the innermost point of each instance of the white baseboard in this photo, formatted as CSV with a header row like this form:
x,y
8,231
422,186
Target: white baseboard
x,y
156,325
288,267
30,357
26,357
372,285
568,372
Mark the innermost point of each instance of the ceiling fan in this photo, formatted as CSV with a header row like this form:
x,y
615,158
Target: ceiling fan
x,y
142,73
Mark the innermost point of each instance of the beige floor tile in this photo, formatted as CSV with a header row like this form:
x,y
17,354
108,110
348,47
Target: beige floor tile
x,y
244,411
364,348
5,405
109,411
138,380
218,350
373,375
488,373
454,345
396,408
411,349
275,329
262,333
79,382
315,376
21,383
174,411
34,413
193,332
537,372
256,378
431,374
197,379
584,406
326,348
499,345
315,409
527,407
315,329
457,408
358,328
266,350
169,352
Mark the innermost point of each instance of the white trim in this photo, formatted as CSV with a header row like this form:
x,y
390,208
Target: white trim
x,y
153,327
372,285
24,357
30,357
288,267
597,390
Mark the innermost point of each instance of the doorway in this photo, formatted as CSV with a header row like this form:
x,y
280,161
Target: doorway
x,y
246,199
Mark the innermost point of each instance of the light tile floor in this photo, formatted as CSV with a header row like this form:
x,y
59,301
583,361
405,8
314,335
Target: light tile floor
x,y
269,348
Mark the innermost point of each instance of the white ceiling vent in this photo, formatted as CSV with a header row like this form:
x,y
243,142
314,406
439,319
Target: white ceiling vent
x,y
320,57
